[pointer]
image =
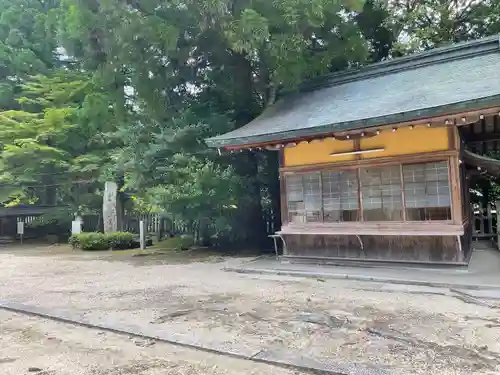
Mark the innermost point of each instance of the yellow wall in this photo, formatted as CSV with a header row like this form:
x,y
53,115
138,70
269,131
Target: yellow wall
x,y
404,141
318,152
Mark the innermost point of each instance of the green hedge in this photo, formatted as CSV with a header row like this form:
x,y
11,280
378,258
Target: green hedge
x,y
102,241
120,240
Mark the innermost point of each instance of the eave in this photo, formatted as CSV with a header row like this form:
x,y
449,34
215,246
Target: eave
x,y
439,116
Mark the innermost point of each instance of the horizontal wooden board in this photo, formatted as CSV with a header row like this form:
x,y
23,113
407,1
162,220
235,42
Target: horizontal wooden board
x,y
427,228
378,162
375,247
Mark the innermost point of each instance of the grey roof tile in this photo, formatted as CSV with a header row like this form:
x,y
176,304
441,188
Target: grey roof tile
x,y
433,83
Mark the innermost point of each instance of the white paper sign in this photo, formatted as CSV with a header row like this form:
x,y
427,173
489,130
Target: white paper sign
x,y
20,227
76,227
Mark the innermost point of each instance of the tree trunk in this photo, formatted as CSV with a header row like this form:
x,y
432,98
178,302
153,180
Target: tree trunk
x,y
251,223
274,187
204,231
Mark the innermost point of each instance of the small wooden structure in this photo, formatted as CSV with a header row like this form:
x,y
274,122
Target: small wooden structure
x,y
376,163
10,216
484,221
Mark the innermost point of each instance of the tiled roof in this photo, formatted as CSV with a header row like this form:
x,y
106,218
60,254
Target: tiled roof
x,y
438,82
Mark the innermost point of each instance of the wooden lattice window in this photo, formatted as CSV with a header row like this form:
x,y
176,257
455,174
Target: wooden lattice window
x,y
427,191
340,196
381,194
304,198
413,192
312,197
295,199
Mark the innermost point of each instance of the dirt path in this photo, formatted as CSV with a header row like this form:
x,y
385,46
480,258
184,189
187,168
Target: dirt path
x,y
410,333
43,347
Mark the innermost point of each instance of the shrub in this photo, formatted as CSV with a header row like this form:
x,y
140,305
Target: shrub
x,y
74,241
101,241
89,241
120,240
186,242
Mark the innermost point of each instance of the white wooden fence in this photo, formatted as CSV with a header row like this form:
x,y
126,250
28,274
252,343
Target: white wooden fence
x,y
153,223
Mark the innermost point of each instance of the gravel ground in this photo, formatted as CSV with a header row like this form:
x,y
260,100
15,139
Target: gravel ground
x,y
43,347
346,320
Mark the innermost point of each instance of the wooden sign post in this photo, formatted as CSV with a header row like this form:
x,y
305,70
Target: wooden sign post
x,y
142,235
20,229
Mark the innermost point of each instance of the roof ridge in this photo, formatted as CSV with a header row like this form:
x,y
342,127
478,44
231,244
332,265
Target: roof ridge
x,y
433,56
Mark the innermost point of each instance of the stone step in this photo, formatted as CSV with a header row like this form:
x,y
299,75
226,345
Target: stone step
x,y
370,263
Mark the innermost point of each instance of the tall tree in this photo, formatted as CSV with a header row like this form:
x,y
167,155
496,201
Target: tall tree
x,y
129,89
54,148
193,69
56,112
27,43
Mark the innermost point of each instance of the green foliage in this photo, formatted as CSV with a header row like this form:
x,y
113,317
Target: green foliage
x,y
420,25
59,216
102,241
95,90
54,147
196,70
89,241
177,73
142,205
184,242
201,188
53,114
119,240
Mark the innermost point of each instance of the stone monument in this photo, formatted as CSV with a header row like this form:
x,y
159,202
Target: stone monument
x,y
110,207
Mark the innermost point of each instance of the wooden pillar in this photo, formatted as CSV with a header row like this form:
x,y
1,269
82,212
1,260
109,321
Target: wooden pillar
x,y
481,217
489,218
120,213
456,193
283,198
